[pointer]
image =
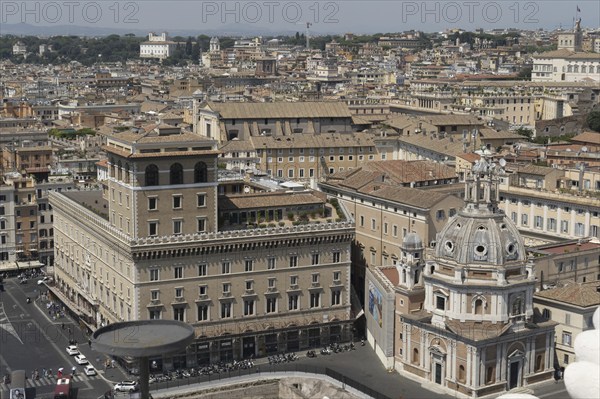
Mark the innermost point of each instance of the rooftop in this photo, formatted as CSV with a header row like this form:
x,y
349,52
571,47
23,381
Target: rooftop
x,y
582,295
91,200
316,109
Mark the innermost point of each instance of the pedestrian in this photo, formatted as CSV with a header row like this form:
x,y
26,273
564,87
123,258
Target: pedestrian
x,y
62,326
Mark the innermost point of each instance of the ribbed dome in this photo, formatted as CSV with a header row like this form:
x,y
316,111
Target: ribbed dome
x,y
412,241
486,239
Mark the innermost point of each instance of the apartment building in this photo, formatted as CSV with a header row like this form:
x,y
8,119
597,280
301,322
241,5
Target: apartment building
x,y
45,215
153,249
550,213
25,215
227,121
576,261
572,307
7,225
157,46
386,212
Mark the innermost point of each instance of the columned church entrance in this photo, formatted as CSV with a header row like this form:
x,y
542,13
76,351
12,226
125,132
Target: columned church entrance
x,y
437,361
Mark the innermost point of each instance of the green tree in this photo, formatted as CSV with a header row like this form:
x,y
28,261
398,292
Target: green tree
x,y
593,121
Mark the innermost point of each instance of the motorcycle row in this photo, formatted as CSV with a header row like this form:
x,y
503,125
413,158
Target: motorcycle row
x,y
218,368
283,358
333,348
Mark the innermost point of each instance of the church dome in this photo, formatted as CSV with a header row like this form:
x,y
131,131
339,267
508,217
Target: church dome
x,y
412,241
480,240
481,233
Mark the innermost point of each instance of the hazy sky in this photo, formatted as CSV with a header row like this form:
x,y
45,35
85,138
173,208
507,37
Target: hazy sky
x,y
326,16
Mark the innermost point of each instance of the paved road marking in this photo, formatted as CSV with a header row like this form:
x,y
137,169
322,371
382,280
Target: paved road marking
x,y
51,381
552,393
6,325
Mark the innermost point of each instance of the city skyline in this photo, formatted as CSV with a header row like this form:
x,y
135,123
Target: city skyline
x,y
285,17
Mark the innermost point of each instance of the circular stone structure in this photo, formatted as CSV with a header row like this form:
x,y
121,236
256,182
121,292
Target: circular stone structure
x,y
141,340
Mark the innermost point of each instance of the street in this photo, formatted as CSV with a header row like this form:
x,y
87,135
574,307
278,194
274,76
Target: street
x,y
31,340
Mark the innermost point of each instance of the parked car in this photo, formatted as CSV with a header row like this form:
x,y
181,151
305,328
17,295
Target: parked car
x,y
72,350
89,370
81,359
46,279
126,386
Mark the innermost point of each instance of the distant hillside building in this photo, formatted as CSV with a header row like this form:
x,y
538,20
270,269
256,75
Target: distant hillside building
x,y
157,46
19,49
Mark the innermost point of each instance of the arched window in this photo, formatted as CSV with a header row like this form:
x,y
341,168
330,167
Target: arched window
x,y
478,308
119,171
200,173
576,69
569,68
151,175
490,375
415,357
417,276
583,69
461,373
404,276
176,174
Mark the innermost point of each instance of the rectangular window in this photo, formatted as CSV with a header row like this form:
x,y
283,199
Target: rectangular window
x,y
225,267
200,200
249,265
336,257
271,282
293,302
385,228
551,224
154,275
539,222
567,319
152,228
524,219
293,260
177,201
179,314
373,224
564,226
226,288
336,297
315,259
201,225
154,295
178,292
177,226
315,278
315,300
202,290
226,310
152,203
440,302
202,312
337,276
203,270
513,216
579,229
154,314
272,305
248,307
178,272
271,263
566,338
294,281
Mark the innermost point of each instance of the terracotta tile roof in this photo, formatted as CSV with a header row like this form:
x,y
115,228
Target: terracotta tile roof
x,y
267,200
323,140
411,196
587,137
477,331
398,171
316,109
571,247
582,295
391,273
470,157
